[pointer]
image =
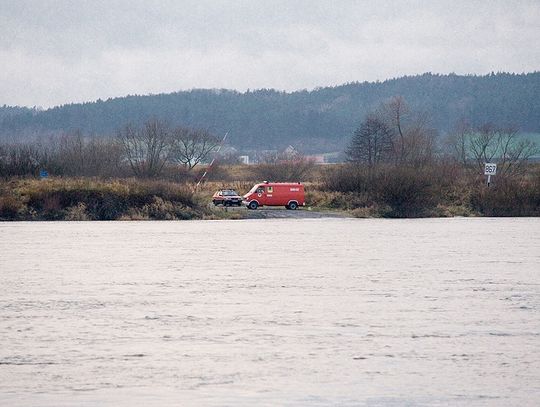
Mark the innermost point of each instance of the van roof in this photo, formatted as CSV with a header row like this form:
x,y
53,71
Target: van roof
x,y
279,183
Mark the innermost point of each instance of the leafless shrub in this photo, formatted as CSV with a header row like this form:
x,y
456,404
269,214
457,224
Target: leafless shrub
x,y
347,178
489,143
393,133
372,142
10,207
290,170
146,149
413,141
190,146
403,191
406,191
72,154
508,198
77,213
19,160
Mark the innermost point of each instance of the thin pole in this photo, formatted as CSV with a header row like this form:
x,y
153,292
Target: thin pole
x,y
213,159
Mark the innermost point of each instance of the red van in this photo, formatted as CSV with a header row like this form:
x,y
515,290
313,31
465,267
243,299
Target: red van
x,y
288,194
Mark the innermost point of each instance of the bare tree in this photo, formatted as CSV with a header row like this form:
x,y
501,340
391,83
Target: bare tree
x,y
288,165
19,160
515,152
103,157
490,143
372,142
413,141
483,144
190,146
146,149
395,112
75,155
69,153
456,142
420,143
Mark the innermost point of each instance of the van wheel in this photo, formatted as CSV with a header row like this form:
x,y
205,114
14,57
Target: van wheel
x,y
215,202
253,205
293,206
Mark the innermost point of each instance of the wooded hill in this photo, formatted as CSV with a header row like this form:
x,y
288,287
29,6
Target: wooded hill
x,y
319,120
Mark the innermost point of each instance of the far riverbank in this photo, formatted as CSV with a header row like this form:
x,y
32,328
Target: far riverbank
x,y
403,196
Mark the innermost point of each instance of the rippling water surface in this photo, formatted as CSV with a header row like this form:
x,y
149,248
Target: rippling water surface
x,y
271,312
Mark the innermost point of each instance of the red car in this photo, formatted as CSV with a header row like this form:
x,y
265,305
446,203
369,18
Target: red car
x,y
227,197
288,194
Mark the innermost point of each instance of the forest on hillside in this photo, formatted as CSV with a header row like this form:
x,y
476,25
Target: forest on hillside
x,y
318,120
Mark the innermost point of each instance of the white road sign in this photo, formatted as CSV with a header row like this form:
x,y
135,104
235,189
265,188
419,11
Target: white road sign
x,y
490,169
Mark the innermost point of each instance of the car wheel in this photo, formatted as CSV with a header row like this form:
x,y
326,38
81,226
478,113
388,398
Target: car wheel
x,y
293,206
253,205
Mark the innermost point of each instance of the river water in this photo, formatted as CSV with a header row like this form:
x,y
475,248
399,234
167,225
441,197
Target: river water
x,y
275,312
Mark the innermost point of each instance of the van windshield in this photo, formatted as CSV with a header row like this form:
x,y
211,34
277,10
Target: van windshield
x,y
253,190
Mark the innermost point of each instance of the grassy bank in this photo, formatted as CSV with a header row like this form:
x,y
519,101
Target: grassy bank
x,y
93,199
436,191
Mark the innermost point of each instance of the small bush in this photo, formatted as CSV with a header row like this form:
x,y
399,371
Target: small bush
x,y
81,199
397,192
160,209
509,197
77,213
407,192
51,207
296,170
366,212
10,207
347,178
337,200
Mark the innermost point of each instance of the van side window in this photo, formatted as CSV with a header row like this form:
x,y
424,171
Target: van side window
x,y
260,190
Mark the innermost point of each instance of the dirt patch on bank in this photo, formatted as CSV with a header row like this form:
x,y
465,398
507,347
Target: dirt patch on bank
x,y
282,213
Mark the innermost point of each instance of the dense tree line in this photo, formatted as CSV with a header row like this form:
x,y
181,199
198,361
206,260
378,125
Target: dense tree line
x,y
314,121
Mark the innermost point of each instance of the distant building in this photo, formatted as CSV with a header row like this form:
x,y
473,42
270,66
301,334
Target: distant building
x,y
227,150
317,158
290,153
243,159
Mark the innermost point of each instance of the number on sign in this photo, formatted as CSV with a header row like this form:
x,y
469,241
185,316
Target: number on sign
x,y
490,169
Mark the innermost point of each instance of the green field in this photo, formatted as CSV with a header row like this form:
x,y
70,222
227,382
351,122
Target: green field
x,y
534,137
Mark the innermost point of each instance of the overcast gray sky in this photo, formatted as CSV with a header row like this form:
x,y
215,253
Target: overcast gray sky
x,y
55,52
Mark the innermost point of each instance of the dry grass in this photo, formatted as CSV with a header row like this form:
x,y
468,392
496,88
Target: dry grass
x,y
389,193
436,190
93,199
